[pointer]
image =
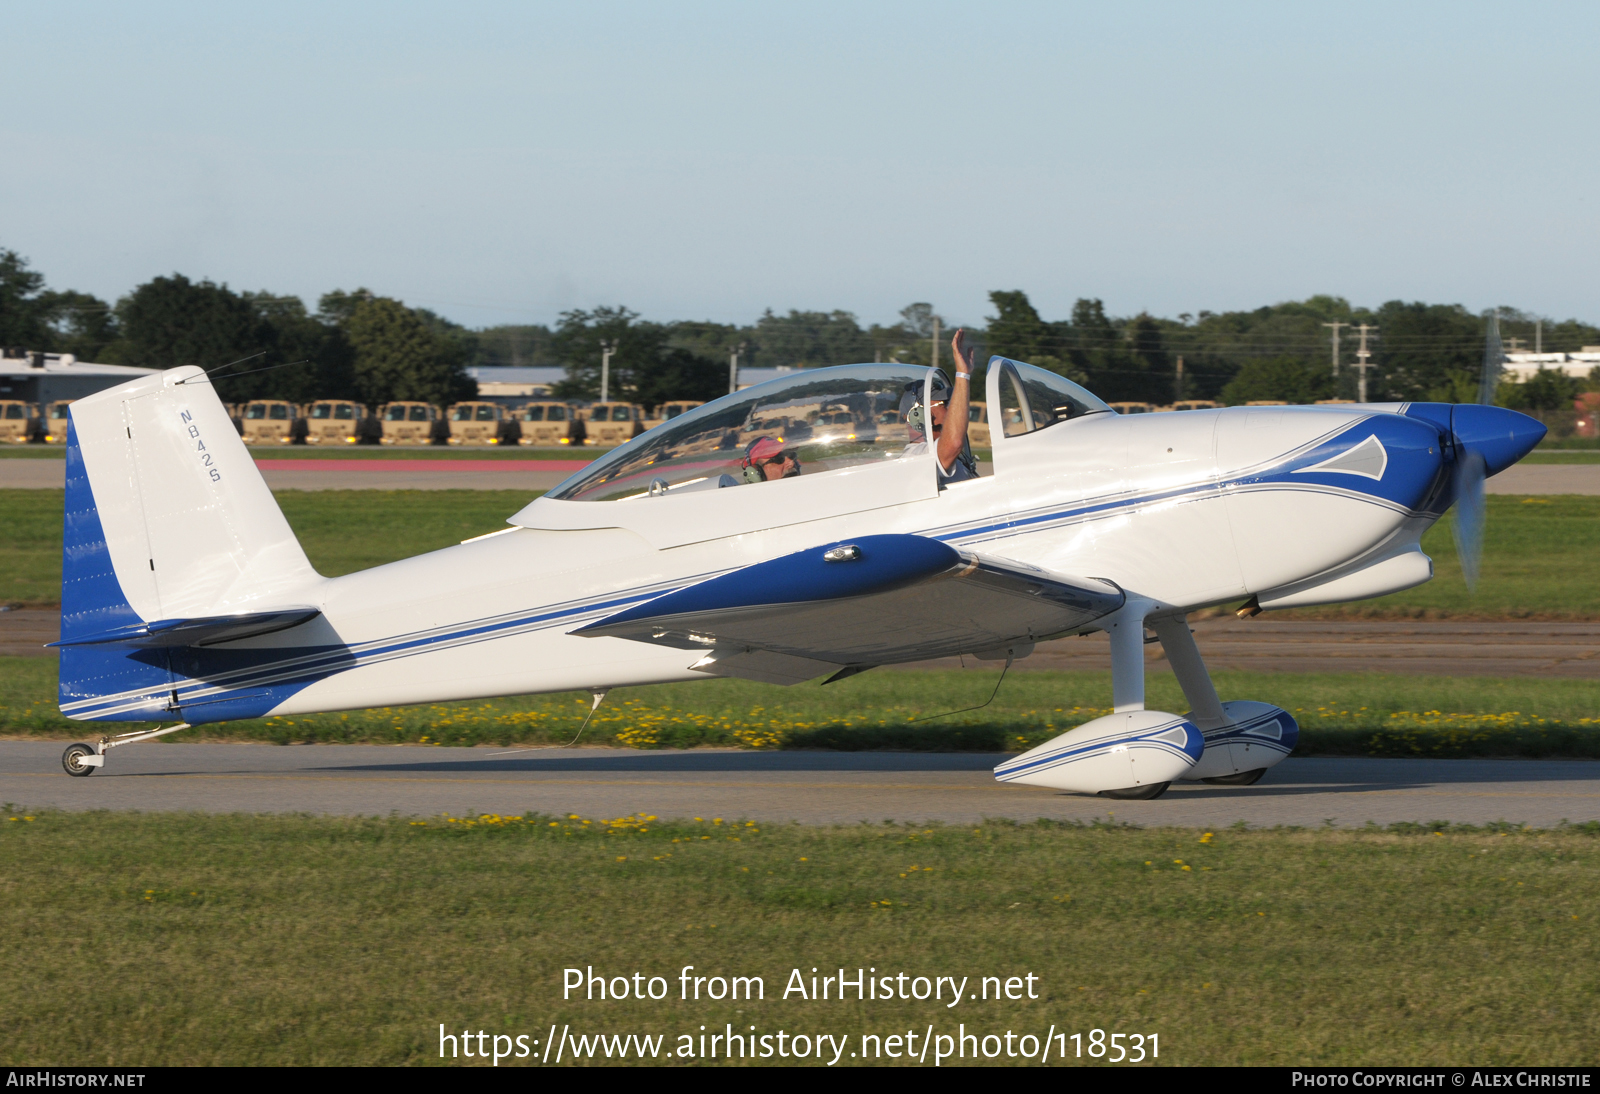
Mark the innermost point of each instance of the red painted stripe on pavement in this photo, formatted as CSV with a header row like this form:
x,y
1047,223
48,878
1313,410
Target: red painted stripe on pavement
x,y
422,465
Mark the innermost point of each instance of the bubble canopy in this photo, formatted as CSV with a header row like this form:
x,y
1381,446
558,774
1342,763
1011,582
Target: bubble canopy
x,y
825,418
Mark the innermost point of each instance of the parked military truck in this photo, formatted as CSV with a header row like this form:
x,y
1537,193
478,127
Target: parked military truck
x,y
978,425
611,424
273,421
413,423
668,411
545,422
55,422
19,421
339,421
481,423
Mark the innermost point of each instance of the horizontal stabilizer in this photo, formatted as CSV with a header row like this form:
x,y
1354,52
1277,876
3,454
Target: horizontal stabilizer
x,y
877,600
172,633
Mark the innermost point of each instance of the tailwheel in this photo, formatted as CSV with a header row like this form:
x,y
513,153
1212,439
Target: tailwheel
x,y
1238,778
72,759
1137,793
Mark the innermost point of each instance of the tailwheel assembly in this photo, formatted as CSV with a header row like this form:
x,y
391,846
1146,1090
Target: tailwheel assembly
x,y
81,759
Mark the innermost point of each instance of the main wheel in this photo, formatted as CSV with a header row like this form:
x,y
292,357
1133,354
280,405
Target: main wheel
x,y
72,760
1238,778
1137,793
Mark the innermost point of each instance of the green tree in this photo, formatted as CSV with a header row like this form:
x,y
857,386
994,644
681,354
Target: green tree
x,y
810,339
515,345
1016,331
83,325
1424,350
1287,378
24,314
578,345
172,321
398,355
1547,389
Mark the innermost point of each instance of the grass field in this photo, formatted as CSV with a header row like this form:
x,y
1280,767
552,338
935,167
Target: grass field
x,y
1346,714
134,939
1539,553
1589,456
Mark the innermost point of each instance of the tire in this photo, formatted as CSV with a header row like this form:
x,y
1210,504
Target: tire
x,y
1144,793
70,758
1238,778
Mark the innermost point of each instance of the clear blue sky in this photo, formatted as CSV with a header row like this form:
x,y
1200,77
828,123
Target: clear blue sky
x,y
504,162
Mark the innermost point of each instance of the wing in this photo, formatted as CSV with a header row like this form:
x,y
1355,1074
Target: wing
x,y
878,600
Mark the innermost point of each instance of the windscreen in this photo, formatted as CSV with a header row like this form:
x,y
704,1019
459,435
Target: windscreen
x,y
418,414
815,420
1032,398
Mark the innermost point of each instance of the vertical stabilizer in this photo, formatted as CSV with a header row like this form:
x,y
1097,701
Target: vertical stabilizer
x,y
186,524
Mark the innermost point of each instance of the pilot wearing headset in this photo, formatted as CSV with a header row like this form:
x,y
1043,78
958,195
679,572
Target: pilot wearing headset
x,y
766,460
946,405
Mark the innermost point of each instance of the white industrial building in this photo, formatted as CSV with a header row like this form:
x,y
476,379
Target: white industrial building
x,y
45,377
1521,366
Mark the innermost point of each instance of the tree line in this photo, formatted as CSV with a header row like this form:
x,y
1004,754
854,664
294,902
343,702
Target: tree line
x,y
376,349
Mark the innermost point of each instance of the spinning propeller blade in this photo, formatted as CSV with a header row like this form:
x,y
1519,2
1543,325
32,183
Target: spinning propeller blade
x,y
1469,514
1471,469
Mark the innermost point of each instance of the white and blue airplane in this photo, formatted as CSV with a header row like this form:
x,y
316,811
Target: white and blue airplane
x,y
186,596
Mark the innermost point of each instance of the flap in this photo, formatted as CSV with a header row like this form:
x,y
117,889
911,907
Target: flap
x,y
876,600
166,633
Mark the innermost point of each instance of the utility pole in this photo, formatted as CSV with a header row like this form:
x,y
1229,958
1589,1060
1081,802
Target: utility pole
x,y
1177,388
606,350
936,342
1538,336
1362,354
1515,344
1336,327
733,368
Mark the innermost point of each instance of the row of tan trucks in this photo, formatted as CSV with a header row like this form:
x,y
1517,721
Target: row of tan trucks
x,y
539,422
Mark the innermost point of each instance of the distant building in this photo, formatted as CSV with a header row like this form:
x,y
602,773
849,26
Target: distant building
x,y
45,377
508,384
1521,366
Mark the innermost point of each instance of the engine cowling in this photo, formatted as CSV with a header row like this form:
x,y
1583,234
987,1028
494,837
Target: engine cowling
x,y
1257,736
1116,752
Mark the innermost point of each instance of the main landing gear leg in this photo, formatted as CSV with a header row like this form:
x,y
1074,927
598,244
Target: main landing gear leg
x,y
1184,657
1126,631
81,760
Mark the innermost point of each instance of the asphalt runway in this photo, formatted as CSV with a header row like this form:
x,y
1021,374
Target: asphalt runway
x,y
1569,651
775,787
425,474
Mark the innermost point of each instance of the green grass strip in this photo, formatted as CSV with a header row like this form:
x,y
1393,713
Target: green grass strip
x,y
1340,714
183,939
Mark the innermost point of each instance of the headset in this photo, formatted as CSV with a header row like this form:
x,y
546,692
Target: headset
x,y
764,450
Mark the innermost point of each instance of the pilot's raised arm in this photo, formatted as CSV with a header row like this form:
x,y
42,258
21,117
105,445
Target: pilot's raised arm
x,y
946,414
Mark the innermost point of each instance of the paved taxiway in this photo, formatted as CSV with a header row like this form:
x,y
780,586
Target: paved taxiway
x,y
808,787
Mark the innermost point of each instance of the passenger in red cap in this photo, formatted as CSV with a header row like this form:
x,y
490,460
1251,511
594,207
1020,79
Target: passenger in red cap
x,y
766,460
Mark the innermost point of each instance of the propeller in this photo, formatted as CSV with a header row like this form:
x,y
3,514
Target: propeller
x,y
1471,470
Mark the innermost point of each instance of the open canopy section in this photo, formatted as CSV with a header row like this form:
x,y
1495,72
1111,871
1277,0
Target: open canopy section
x,y
823,419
